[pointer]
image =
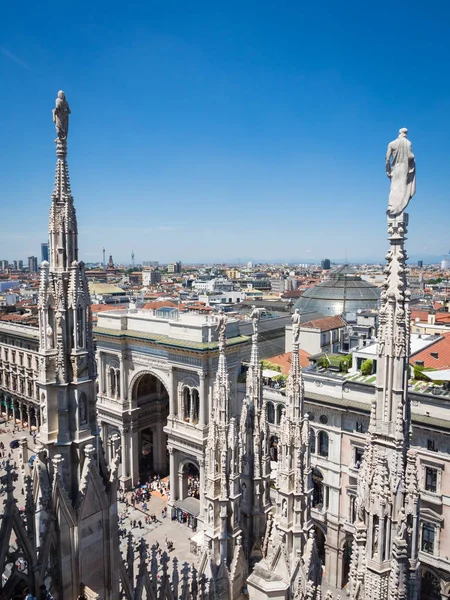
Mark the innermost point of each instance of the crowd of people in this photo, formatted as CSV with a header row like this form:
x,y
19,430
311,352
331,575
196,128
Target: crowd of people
x,y
193,484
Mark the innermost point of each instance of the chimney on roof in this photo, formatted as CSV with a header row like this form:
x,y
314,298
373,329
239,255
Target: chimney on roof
x,y
431,317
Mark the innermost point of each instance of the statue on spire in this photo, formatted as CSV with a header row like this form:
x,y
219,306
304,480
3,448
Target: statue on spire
x,y
401,170
61,114
296,326
255,316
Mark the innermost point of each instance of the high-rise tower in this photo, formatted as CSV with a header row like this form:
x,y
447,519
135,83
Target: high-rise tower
x,y
384,562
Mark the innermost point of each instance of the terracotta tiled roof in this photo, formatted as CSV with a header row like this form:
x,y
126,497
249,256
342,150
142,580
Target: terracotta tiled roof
x,y
292,294
422,315
160,304
284,360
324,324
437,355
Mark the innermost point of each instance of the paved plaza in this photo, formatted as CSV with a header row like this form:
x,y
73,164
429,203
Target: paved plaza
x,y
154,533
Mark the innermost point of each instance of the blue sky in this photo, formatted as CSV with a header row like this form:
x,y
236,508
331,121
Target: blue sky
x,y
206,131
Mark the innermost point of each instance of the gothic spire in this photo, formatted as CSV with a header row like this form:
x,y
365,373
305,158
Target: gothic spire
x,y
254,454
67,367
222,472
384,560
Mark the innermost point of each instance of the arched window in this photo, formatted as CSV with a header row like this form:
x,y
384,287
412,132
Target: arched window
x,y
280,409
431,587
317,499
186,403
112,382
312,441
323,443
195,406
270,412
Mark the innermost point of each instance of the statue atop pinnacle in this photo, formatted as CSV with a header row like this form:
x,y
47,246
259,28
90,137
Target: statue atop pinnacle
x,y
401,170
61,114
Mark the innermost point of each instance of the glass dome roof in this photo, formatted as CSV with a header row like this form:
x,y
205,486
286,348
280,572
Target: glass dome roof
x,y
343,292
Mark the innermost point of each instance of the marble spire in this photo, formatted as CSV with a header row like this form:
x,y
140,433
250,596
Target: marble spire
x,y
291,555
254,455
67,366
222,558
384,561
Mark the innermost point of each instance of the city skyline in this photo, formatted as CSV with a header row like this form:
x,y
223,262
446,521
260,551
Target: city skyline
x,y
249,128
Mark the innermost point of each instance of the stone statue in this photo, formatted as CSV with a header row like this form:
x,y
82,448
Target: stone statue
x,y
401,170
61,114
402,524
244,493
82,409
295,326
49,335
255,316
221,323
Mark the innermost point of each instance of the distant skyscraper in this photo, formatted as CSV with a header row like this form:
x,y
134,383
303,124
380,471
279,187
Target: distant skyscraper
x,y
44,251
3,265
32,264
174,267
420,263
15,265
20,264
326,264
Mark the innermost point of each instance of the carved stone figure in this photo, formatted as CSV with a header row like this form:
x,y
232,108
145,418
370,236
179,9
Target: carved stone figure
x,y
244,493
221,323
61,114
255,316
82,410
295,326
401,170
49,336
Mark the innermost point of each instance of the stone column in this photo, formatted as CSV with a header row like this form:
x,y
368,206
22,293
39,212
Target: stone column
x,y
29,418
202,401
108,381
172,477
123,395
191,406
124,454
134,456
21,413
14,412
172,392
201,464
99,358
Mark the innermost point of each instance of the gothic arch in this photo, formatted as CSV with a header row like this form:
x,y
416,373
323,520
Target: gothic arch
x,y
137,376
428,577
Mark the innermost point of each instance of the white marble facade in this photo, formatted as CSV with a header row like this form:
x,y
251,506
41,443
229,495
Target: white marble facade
x,y
155,385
